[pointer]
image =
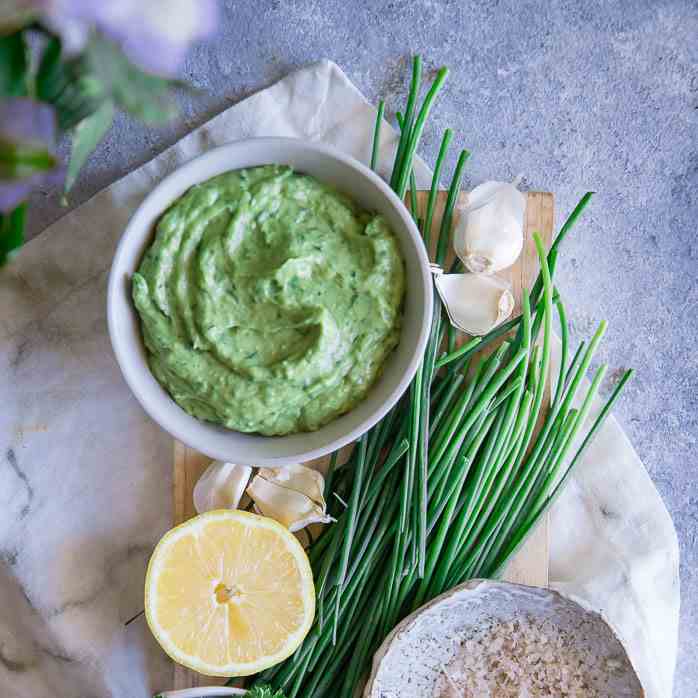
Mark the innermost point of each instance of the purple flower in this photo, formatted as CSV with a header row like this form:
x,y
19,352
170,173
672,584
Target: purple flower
x,y
27,146
154,34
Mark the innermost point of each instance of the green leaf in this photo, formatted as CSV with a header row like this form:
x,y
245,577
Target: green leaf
x,y
50,75
86,136
19,160
264,692
12,232
68,85
14,65
146,96
79,86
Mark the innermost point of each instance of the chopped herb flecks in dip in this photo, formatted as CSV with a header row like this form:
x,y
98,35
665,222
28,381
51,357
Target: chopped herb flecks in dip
x,y
269,301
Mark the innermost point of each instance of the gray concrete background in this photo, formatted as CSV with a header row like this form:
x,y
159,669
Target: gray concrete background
x,y
592,95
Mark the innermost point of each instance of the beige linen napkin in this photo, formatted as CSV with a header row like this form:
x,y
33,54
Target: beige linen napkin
x,y
86,476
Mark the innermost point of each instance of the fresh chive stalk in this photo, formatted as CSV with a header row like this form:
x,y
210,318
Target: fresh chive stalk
x,y
377,134
452,481
405,129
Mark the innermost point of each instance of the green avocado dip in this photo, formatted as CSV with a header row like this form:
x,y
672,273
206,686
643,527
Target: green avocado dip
x,y
269,301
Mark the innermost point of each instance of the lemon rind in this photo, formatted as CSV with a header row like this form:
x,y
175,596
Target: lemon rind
x,y
234,668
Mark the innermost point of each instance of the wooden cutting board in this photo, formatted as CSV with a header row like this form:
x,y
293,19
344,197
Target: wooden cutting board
x,y
530,566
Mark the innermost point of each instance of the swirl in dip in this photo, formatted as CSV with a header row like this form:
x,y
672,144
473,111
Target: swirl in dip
x,y
269,301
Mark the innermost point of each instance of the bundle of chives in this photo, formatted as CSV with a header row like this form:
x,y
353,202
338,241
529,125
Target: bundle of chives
x,y
472,475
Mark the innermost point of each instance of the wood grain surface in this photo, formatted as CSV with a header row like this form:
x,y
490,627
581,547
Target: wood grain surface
x,y
530,566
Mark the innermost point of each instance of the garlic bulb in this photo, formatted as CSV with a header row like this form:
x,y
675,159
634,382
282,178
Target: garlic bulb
x,y
221,486
294,496
489,233
475,303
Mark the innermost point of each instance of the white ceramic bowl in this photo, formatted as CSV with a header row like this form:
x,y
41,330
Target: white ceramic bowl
x,y
412,659
327,165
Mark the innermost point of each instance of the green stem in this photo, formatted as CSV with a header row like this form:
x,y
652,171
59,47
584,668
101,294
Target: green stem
x,y
377,134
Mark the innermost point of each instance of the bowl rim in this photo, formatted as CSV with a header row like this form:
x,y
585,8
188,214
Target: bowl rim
x,y
465,595
123,350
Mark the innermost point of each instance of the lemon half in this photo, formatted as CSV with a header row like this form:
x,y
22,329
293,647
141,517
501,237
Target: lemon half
x,y
229,593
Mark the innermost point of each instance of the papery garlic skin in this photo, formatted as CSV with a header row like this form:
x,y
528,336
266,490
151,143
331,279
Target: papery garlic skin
x,y
293,496
221,486
297,477
489,232
475,303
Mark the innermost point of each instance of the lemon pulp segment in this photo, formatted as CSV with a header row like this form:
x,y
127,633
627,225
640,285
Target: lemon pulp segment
x,y
229,593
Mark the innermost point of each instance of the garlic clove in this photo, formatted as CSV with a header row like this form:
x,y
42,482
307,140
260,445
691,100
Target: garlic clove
x,y
489,233
292,508
221,486
475,303
300,478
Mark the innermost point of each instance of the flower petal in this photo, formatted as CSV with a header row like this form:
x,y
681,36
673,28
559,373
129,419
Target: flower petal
x,y
25,122
155,34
